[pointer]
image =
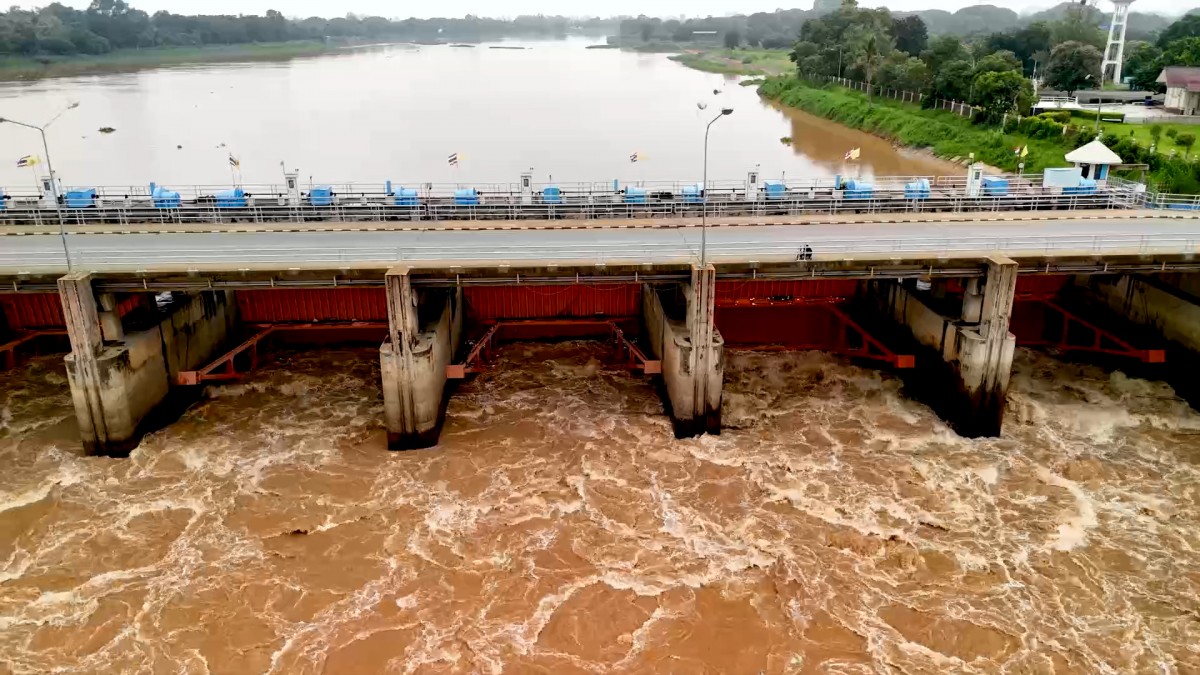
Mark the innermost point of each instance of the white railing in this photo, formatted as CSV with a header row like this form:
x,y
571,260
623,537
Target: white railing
x,y
720,204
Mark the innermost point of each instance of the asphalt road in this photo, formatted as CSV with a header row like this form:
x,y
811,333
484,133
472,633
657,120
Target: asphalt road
x,y
232,251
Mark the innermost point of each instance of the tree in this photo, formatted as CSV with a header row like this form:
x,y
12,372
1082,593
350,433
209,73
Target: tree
x,y
1001,93
732,39
952,82
1186,141
1156,131
1143,64
912,37
870,49
1183,52
943,50
1073,66
1188,26
905,73
998,62
1030,44
776,42
1079,25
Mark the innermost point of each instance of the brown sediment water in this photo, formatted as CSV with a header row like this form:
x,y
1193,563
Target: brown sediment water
x,y
575,115
835,527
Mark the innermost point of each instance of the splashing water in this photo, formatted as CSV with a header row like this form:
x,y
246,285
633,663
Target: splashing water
x,y
835,527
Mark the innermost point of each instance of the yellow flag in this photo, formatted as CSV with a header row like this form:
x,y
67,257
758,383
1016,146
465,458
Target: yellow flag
x,y
1024,152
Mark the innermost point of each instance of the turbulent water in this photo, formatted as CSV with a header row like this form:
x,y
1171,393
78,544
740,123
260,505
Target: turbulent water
x,y
836,527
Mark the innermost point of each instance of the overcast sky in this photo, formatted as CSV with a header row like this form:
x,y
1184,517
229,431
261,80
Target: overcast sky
x,y
452,8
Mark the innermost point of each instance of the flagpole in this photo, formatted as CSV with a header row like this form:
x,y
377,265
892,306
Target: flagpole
x,y
37,183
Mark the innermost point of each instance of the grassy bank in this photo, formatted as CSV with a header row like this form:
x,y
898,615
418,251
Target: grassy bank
x,y
952,137
752,62
135,59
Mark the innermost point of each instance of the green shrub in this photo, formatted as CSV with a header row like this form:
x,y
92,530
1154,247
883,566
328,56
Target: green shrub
x,y
1090,115
1156,132
1186,140
1060,116
1172,132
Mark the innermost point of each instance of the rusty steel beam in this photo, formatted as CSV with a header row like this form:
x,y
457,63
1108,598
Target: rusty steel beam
x,y
459,371
1102,341
224,368
871,348
8,350
636,359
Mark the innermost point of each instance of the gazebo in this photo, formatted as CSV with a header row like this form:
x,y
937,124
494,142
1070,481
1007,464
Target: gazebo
x,y
1094,160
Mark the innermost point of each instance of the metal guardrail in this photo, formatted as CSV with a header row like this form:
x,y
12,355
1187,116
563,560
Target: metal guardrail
x,y
574,207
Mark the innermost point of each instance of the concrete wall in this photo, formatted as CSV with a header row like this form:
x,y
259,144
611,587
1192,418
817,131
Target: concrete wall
x,y
1172,311
670,341
963,367
119,387
194,331
414,392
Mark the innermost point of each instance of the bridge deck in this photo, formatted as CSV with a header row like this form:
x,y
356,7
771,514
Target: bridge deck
x,y
357,248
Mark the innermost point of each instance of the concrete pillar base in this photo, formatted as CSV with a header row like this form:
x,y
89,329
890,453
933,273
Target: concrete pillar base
x,y
413,361
121,389
1170,310
963,367
692,354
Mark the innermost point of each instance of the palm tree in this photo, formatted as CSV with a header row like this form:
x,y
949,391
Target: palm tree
x,y
870,60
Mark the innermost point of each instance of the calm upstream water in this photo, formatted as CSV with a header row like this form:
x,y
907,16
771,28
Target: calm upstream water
x,y
836,527
398,112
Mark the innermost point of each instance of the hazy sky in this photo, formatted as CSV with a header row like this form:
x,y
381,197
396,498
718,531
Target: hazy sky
x,y
425,8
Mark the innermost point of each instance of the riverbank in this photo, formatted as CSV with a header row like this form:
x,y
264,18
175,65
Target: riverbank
x,y
954,138
749,62
137,59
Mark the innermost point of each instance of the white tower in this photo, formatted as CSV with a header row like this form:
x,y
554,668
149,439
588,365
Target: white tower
x,y
1114,54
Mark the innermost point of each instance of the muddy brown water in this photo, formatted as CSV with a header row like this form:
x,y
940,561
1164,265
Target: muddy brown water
x,y
370,115
835,527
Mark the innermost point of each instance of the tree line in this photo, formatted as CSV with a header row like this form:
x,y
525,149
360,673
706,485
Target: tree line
x,y
778,29
113,24
990,71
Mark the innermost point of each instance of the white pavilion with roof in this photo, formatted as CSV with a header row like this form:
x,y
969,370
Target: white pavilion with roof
x,y
1094,160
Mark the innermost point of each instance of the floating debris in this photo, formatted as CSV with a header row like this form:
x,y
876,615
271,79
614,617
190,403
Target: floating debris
x,y
107,130
786,140
179,147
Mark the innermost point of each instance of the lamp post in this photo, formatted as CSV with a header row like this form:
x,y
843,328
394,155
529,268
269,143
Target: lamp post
x,y
704,196
53,181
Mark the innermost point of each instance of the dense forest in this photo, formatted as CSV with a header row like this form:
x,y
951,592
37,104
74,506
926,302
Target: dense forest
x,y
778,29
107,25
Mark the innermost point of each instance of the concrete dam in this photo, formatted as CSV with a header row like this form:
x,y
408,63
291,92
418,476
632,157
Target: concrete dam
x,y
942,299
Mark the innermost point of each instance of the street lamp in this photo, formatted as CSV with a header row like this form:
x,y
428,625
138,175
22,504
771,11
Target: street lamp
x,y
50,167
704,208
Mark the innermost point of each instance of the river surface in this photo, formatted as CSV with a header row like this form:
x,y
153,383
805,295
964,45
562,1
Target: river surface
x,y
836,527
568,113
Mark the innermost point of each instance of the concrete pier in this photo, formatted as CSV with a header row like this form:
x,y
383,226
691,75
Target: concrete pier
x,y
120,378
966,364
692,352
424,332
1170,308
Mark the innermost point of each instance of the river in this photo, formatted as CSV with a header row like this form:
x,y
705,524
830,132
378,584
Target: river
x,y
836,527
398,112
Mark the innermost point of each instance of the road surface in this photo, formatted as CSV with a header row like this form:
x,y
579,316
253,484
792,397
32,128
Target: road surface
x,y
233,251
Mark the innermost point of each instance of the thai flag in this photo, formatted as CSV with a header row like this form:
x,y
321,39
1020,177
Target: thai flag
x,y
453,159
633,159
